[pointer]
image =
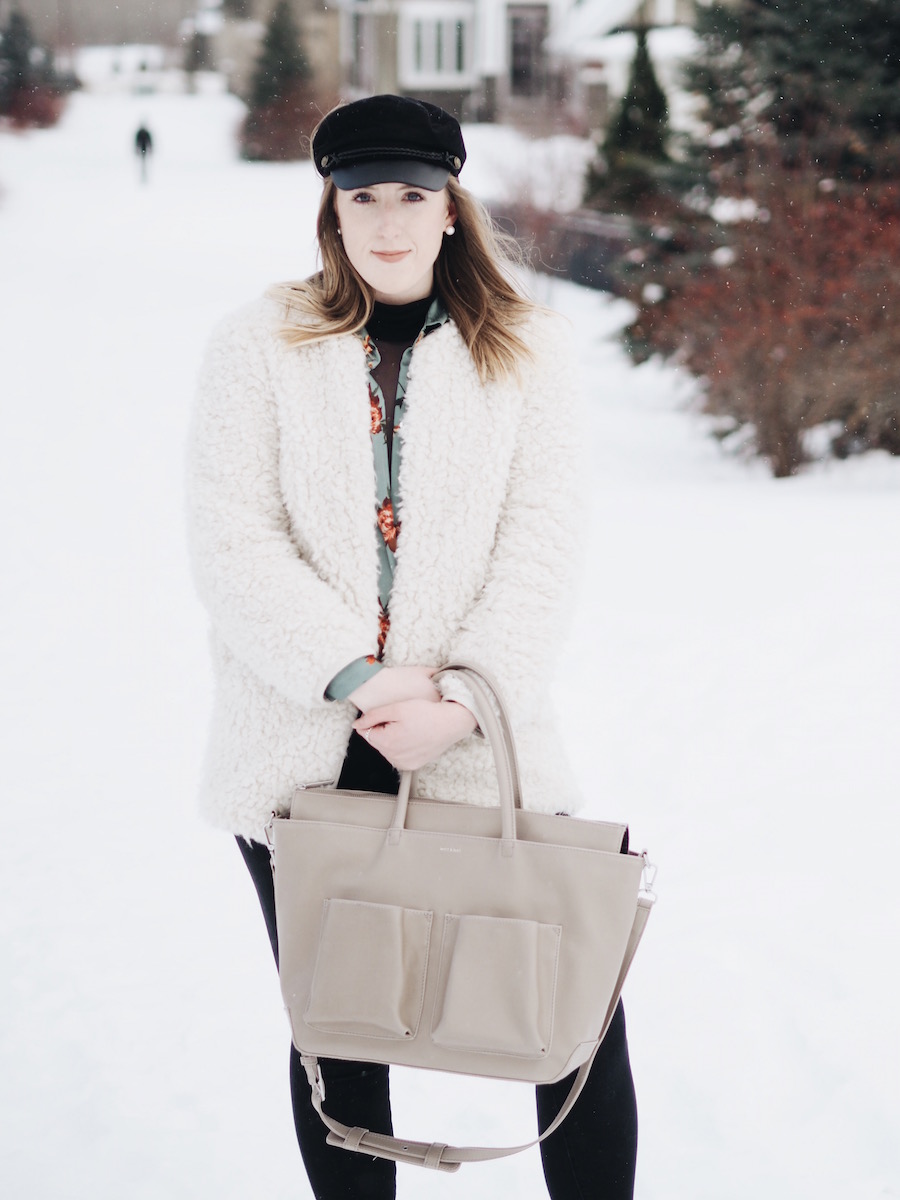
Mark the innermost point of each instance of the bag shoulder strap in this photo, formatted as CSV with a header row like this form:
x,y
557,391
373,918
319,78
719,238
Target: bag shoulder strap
x,y
438,1155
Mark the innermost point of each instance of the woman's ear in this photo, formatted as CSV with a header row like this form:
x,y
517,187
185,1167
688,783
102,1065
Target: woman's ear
x,y
451,215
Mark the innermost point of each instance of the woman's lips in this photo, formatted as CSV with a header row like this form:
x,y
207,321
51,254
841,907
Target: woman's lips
x,y
390,255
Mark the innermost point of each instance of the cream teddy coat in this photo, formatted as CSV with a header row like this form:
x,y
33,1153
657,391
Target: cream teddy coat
x,y
283,537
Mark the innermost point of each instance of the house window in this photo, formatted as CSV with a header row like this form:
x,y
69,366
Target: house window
x,y
437,47
528,29
440,47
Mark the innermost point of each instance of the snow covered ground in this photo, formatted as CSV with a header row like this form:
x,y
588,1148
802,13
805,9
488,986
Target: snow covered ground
x,y
731,687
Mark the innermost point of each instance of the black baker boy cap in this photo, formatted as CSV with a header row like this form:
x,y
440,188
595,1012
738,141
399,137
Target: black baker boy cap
x,y
389,139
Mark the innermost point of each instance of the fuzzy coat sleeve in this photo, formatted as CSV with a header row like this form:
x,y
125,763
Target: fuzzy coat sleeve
x,y
268,606
517,625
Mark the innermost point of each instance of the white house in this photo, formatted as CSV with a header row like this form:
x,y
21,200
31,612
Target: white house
x,y
485,59
471,56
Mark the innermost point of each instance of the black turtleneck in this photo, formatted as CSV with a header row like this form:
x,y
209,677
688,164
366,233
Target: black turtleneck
x,y
393,328
398,322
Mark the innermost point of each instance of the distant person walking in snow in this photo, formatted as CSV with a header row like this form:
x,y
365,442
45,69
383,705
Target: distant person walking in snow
x,y
325,643
143,148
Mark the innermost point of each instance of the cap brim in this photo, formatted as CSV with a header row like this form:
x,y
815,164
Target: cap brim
x,y
420,174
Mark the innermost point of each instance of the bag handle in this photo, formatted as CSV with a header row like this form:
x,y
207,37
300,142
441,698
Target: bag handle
x,y
438,1155
489,705
493,721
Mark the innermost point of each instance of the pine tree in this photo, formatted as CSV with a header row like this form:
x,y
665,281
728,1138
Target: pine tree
x,y
282,63
830,63
635,174
281,106
641,128
29,88
817,77
17,46
723,75
878,108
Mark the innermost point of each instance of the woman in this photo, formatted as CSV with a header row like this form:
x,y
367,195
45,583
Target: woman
x,y
382,481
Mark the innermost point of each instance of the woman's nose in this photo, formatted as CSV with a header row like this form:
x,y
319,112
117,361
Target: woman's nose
x,y
390,221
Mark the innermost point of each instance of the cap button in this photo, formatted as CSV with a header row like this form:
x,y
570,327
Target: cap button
x,y
456,162
326,159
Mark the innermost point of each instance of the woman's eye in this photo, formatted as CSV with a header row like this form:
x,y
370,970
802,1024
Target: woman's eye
x,y
362,197
414,196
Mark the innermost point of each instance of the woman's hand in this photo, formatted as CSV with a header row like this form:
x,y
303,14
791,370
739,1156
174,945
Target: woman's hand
x,y
415,732
393,684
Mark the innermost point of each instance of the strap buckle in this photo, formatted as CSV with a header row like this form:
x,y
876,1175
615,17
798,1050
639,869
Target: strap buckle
x,y
314,1074
269,830
648,878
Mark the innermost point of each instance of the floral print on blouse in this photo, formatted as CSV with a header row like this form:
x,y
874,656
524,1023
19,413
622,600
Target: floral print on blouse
x,y
387,475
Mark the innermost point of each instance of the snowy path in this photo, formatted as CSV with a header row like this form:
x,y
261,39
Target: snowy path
x,y
731,685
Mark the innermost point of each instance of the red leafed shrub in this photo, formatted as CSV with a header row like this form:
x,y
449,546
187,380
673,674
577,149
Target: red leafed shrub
x,y
32,93
35,107
279,131
800,328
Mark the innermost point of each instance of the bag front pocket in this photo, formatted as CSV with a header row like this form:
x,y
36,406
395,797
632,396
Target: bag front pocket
x,y
369,978
497,986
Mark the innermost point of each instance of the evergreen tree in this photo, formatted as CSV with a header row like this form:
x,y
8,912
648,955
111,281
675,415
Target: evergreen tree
x,y
877,108
723,75
29,87
820,78
641,128
281,105
830,63
635,174
17,48
282,63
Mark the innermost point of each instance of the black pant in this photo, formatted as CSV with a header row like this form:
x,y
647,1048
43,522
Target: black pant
x,y
590,1157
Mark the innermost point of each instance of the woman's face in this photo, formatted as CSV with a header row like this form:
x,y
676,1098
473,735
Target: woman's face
x,y
392,234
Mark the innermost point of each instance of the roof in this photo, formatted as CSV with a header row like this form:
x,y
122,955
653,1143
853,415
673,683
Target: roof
x,y
590,19
675,43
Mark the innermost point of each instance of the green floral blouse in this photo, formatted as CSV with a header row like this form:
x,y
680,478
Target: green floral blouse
x,y
387,474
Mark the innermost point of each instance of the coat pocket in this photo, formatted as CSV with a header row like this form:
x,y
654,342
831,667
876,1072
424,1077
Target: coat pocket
x,y
369,977
496,986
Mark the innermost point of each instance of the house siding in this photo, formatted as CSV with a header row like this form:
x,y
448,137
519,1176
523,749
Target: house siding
x,y
62,23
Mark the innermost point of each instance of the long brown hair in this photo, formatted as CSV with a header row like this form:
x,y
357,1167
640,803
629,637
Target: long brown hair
x,y
473,277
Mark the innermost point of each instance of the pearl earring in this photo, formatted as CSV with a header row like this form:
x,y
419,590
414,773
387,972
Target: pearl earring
x,y
450,230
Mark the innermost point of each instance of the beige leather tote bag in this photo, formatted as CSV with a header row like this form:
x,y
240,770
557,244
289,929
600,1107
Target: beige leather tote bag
x,y
483,941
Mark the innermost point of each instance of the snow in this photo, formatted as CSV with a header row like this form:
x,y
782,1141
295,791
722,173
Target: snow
x,y
505,165
668,47
144,70
731,210
590,18
731,689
